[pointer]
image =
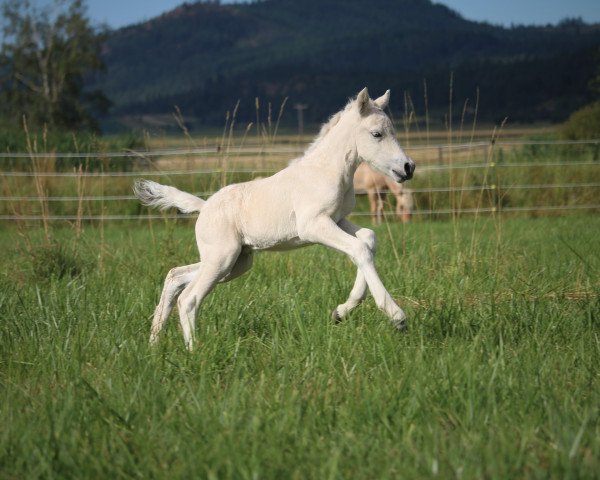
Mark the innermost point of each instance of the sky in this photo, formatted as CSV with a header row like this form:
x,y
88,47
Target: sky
x,y
118,13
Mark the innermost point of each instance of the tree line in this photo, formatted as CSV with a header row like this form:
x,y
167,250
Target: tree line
x,y
45,58
206,56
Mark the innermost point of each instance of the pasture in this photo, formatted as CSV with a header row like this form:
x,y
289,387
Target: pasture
x,y
497,377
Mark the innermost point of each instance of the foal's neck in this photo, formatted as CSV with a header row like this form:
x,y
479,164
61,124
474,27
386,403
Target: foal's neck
x,y
336,151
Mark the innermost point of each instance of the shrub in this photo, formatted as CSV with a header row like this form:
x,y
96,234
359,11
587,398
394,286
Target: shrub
x,y
584,124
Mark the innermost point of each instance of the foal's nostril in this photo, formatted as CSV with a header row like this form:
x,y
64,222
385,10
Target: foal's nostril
x,y
409,168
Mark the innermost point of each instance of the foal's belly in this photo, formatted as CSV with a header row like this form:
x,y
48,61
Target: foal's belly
x,y
290,244
280,242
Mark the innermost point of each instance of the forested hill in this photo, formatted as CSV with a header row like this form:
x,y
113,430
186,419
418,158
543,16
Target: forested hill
x,y
203,57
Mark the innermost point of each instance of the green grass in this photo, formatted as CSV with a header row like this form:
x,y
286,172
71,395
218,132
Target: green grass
x,y
497,377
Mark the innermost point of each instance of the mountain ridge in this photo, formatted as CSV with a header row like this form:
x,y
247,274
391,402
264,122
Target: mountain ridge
x,y
205,56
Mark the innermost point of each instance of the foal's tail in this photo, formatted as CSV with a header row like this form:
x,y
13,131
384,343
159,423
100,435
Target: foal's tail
x,y
154,194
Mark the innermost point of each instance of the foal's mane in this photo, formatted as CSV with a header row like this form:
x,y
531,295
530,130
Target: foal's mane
x,y
332,122
328,125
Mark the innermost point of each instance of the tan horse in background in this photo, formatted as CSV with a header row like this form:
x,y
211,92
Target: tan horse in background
x,y
376,185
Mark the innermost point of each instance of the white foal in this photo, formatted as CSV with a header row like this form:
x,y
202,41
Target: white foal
x,y
305,203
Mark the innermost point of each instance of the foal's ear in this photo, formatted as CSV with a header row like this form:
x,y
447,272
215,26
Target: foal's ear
x,y
362,101
383,101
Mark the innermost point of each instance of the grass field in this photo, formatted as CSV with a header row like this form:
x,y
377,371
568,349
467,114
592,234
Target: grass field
x,y
498,376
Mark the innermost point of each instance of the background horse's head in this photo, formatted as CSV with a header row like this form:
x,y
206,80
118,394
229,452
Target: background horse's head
x,y
376,142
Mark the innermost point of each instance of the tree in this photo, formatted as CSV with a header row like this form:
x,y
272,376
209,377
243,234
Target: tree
x,y
595,82
45,58
584,124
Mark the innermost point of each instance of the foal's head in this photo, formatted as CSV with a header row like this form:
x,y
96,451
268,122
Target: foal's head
x,y
376,142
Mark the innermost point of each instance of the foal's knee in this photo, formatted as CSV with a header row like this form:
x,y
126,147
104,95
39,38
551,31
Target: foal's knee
x,y
362,254
367,237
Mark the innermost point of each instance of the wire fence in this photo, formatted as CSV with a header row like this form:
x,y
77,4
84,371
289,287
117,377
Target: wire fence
x,y
269,171
111,198
447,211
272,148
510,177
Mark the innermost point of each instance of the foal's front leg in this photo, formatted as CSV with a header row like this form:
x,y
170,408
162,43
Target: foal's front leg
x,y
325,231
359,290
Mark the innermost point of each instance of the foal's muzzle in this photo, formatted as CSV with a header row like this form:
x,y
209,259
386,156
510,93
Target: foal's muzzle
x,y
407,174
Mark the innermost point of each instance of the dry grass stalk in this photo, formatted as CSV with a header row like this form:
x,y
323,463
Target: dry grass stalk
x,y
80,195
40,184
178,116
281,109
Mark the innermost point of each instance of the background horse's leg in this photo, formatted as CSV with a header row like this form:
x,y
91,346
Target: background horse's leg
x,y
216,265
176,280
380,203
359,290
407,205
373,204
399,207
396,189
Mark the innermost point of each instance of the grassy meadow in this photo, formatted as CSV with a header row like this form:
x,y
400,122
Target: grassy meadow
x,y
497,377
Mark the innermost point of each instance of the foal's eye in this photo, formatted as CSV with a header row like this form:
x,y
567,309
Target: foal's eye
x,y
377,134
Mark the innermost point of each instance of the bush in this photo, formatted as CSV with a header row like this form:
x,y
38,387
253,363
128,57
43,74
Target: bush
x,y
584,124
58,259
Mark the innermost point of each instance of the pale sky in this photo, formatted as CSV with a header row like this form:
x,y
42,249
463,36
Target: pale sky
x,y
118,13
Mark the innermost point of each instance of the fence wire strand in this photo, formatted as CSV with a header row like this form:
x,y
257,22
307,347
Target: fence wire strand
x,y
279,149
442,211
110,198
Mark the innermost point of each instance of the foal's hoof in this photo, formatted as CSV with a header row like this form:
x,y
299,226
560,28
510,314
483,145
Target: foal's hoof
x,y
401,325
335,316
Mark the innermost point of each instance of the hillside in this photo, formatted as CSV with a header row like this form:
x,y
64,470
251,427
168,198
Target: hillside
x,y
204,57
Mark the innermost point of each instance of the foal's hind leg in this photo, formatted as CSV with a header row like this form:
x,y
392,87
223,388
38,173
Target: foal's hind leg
x,y
176,280
360,288
242,265
217,265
